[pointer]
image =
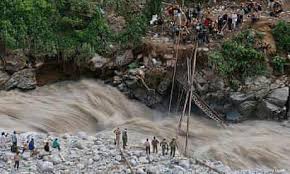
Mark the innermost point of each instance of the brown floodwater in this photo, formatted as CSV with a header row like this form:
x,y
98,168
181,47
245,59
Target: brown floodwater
x,y
91,106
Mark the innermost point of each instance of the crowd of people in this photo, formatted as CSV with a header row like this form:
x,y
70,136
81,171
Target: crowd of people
x,y
197,23
28,144
147,144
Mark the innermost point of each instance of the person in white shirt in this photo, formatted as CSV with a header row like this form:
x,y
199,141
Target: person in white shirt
x,y
235,19
2,140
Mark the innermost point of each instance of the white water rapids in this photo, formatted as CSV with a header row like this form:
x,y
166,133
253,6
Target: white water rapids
x,y
90,106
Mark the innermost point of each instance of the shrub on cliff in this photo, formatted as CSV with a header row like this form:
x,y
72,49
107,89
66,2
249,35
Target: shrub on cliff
x,y
281,33
72,30
238,59
57,28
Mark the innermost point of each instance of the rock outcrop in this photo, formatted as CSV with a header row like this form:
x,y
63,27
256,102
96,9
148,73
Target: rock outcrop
x,y
15,61
97,62
279,96
24,79
4,77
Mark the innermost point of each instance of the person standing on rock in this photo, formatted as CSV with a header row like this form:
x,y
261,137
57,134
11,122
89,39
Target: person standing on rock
x,y
117,132
14,139
3,141
14,147
155,143
56,144
25,146
16,160
173,146
31,146
124,138
46,147
147,147
164,146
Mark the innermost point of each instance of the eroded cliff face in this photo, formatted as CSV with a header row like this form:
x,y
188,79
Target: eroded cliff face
x,y
145,74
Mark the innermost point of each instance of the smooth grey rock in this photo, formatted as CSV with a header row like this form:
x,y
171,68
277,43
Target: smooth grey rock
x,y
133,162
279,96
45,166
267,110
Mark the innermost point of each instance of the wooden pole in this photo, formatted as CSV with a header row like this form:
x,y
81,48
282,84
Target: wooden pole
x,y
183,111
190,98
179,99
174,72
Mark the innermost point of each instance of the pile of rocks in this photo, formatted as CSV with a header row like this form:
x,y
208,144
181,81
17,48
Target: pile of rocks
x,y
82,153
16,73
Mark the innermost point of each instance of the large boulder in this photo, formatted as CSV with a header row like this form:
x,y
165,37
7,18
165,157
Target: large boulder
x,y
45,167
125,59
24,79
267,110
248,108
4,77
163,86
15,61
97,62
279,96
238,97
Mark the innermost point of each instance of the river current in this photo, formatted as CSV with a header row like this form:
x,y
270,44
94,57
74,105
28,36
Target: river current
x,y
91,106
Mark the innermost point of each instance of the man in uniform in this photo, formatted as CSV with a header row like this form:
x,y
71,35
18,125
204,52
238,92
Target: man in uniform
x,y
164,146
155,143
173,146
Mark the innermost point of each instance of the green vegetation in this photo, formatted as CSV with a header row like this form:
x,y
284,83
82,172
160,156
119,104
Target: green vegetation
x,y
71,30
279,64
281,33
238,59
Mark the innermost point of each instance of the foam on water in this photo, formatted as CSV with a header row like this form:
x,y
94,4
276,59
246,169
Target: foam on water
x,y
91,106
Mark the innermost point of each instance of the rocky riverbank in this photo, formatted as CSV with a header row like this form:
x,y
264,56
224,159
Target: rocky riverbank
x,y
82,153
